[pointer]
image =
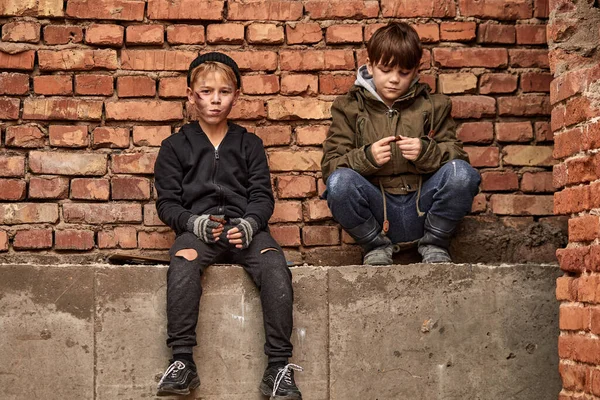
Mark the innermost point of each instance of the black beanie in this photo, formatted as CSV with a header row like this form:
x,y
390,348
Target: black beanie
x,y
217,57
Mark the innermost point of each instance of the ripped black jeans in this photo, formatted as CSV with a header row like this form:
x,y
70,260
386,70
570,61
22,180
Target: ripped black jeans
x,y
268,269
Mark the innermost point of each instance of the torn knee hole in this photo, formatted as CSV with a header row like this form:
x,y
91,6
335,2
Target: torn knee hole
x,y
263,251
188,254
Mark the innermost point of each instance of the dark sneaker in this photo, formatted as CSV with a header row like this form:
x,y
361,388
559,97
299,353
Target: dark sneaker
x,y
180,378
380,256
278,383
434,254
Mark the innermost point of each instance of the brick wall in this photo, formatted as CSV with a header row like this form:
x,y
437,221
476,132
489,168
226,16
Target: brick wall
x,y
574,39
88,90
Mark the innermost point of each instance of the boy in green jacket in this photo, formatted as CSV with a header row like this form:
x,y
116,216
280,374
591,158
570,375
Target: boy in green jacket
x,y
394,170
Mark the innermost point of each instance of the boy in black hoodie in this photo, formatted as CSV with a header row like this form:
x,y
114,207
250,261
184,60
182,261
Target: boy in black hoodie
x,y
214,191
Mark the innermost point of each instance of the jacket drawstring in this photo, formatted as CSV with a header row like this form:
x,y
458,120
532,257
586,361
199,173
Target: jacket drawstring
x,y
386,223
431,134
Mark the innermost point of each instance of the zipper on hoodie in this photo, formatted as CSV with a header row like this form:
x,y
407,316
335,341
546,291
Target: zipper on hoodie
x,y
219,190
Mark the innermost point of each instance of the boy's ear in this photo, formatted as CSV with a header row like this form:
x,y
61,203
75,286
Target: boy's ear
x,y
369,66
190,95
236,95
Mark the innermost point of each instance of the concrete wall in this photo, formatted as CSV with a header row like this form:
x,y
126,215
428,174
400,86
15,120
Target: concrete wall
x,y
400,332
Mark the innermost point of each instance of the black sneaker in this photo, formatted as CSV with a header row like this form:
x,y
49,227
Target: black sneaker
x,y
278,383
180,378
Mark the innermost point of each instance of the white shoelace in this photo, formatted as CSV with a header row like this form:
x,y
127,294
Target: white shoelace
x,y
284,374
173,369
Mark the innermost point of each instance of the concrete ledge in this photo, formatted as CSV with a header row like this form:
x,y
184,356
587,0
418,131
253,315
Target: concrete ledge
x,y
400,332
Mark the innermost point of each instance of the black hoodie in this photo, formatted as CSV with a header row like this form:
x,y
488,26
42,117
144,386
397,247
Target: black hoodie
x,y
192,177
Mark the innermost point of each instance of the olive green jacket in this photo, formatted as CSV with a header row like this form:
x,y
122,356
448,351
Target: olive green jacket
x,y
361,118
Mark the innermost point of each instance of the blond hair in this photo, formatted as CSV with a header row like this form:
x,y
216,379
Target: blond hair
x,y
213,66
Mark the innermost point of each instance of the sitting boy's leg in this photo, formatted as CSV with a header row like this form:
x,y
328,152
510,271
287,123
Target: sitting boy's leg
x,y
447,196
357,205
266,264
189,257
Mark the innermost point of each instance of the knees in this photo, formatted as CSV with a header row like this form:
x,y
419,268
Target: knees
x,y
342,181
461,175
188,254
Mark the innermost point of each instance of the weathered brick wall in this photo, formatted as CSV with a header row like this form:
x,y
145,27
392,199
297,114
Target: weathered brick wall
x,y
574,40
88,90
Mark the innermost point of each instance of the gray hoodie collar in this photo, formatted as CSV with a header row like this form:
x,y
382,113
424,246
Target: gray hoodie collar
x,y
365,80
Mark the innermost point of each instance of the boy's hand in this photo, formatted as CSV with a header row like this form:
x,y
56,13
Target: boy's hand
x,y
410,147
381,150
243,231
206,227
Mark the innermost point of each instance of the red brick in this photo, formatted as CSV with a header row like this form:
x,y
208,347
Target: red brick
x,y
473,107
483,156
457,83
12,166
528,58
479,203
105,35
475,132
470,57
508,204
574,318
62,34
533,156
296,186
186,9
564,289
572,260
568,142
9,108
62,163
47,8
286,235
538,182
77,60
410,9
578,110
94,85
531,34
73,239
68,135
23,60
316,60
109,137
320,235
581,170
101,213
287,211
317,209
225,33
355,9
298,109
249,109
157,60
543,133
428,33
90,189
587,287
536,82
13,83
457,31
28,136
21,31
172,87
584,229
123,237
185,34
156,240
265,34
499,181
497,83
130,188
346,33
574,377
150,135
497,9
144,110
514,131
272,10
255,61
499,34
260,84
299,84
136,86
33,239
133,163
559,176
335,83
311,135
591,137
53,85
541,9
3,241
12,189
275,135
145,34
28,213
572,200
525,105
126,10
48,187
303,33
151,216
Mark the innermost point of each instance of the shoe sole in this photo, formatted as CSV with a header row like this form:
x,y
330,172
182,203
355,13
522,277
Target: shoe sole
x,y
180,392
266,391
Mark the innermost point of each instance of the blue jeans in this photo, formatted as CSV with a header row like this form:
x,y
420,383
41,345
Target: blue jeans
x,y
357,204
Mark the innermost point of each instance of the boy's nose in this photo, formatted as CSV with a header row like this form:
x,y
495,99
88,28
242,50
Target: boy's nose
x,y
215,98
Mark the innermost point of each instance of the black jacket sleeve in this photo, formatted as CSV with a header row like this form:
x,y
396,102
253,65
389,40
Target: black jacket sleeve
x,y
260,194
